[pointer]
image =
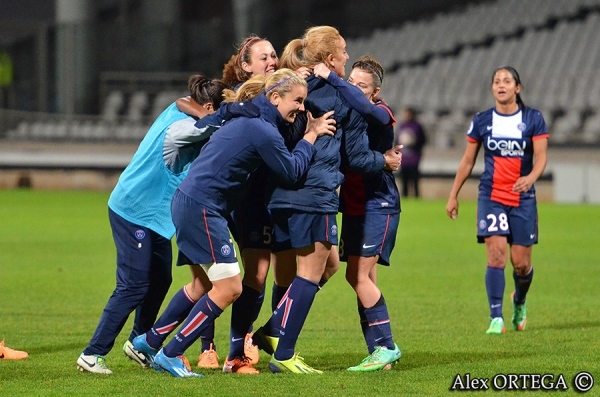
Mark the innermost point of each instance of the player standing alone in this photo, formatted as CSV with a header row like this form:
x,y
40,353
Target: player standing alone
x,y
515,142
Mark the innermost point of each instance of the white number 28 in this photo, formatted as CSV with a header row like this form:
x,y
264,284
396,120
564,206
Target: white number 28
x,y
500,222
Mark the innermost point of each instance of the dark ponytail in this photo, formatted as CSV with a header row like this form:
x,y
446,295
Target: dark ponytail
x,y
204,90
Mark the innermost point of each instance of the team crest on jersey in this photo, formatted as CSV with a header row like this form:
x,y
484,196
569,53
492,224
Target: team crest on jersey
x,y
521,126
140,234
482,224
226,250
254,236
334,230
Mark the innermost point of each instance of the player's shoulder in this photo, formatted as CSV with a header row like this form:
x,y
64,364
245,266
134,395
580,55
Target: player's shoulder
x,y
532,112
484,114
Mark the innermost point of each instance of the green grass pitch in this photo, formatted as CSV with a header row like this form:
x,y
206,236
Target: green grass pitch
x,y
57,272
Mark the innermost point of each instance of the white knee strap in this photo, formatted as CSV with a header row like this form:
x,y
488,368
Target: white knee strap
x,y
219,271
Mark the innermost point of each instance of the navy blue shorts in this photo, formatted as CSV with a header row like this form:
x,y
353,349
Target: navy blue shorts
x,y
202,234
253,227
518,224
369,235
294,229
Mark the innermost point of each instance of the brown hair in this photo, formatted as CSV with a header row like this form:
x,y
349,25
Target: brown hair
x,y
233,74
204,90
368,64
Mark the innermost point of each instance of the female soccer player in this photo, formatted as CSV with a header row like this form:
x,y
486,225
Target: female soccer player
x,y
251,221
210,192
370,204
304,214
515,142
140,219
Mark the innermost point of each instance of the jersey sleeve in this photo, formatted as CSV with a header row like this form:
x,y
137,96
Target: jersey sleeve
x,y
540,130
474,134
359,102
356,154
183,141
289,167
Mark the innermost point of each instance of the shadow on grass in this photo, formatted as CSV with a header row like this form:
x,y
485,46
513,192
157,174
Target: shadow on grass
x,y
571,326
415,360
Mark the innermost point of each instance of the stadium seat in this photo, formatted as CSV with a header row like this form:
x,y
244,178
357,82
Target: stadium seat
x,y
138,103
591,129
113,104
566,127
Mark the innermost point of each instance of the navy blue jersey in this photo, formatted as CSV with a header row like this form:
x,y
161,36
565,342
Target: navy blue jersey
x,y
219,174
317,191
372,191
507,141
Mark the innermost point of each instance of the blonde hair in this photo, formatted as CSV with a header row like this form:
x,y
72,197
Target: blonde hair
x,y
317,43
281,82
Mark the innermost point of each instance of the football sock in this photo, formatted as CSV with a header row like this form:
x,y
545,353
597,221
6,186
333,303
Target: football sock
x,y
277,296
178,309
243,314
364,326
522,285
379,330
292,313
270,328
207,338
495,283
203,314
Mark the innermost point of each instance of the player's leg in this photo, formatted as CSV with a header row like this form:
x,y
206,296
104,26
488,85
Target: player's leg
x,y
147,311
178,309
493,229
245,310
296,306
524,224
523,276
226,287
134,256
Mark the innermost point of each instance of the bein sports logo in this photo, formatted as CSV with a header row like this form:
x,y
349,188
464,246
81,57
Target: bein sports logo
x,y
507,147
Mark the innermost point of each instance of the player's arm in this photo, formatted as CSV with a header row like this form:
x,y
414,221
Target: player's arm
x,y
356,98
190,107
227,111
465,168
540,151
356,153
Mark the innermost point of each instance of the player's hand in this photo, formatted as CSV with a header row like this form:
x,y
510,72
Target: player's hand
x,y
304,71
452,208
523,184
393,158
320,126
321,70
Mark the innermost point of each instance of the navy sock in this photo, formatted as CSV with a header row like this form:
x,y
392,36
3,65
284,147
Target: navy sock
x,y
203,314
522,285
292,314
178,309
378,323
364,326
207,338
271,328
494,283
243,314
